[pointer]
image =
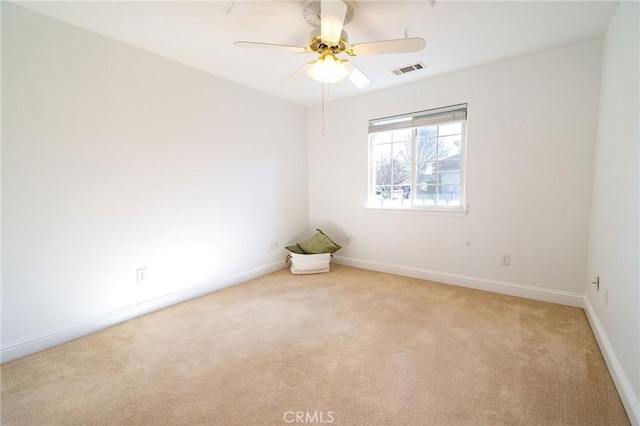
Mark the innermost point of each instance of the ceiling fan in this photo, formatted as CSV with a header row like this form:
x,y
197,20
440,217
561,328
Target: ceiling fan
x,y
329,40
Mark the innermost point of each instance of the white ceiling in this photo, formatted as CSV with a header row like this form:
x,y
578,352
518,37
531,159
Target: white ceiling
x,y
459,34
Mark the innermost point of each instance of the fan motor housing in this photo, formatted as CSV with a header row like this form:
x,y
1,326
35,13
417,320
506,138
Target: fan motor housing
x,y
316,44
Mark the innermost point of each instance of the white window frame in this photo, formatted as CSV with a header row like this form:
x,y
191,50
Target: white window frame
x,y
413,121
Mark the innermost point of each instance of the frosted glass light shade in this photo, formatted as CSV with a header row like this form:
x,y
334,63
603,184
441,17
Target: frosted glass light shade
x,y
328,69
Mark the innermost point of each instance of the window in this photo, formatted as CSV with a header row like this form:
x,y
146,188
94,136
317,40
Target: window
x,y
416,161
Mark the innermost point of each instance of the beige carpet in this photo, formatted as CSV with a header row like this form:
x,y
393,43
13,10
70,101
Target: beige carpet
x,y
351,347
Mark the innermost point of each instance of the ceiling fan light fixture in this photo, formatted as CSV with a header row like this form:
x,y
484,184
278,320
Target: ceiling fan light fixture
x,y
328,69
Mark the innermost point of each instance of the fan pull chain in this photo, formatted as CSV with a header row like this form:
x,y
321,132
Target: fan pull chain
x,y
323,100
326,96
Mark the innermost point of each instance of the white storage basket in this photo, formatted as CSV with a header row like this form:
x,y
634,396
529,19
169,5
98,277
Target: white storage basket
x,y
310,263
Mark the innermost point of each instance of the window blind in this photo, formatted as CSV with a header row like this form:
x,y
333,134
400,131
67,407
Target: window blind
x,y
431,117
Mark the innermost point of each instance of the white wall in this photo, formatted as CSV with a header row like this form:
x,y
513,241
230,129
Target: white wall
x,y
114,159
531,136
614,251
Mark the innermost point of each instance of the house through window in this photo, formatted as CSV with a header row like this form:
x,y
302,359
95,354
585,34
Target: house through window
x,y
417,160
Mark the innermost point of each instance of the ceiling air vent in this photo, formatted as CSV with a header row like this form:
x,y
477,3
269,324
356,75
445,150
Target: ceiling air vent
x,y
408,68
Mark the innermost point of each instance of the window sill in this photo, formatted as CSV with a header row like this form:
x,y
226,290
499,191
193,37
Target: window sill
x,y
419,211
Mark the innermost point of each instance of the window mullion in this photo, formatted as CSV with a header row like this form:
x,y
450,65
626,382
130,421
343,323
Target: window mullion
x,y
373,169
437,192
414,150
392,178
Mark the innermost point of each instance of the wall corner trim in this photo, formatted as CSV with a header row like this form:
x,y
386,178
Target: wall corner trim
x,y
510,289
629,399
32,344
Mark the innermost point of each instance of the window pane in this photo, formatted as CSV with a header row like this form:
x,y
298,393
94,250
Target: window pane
x,y
450,165
426,132
426,149
381,161
383,174
426,194
382,137
449,192
402,152
401,173
383,192
402,135
426,172
381,154
448,146
397,192
406,192
450,129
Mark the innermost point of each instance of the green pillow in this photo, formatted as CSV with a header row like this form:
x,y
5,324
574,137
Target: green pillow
x,y
295,249
318,244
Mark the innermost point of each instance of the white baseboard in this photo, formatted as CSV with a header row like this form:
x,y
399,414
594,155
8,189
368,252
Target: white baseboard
x,y
629,399
511,289
37,343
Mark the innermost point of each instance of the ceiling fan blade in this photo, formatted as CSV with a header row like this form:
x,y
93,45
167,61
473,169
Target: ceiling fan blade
x,y
357,77
332,13
297,73
403,45
282,47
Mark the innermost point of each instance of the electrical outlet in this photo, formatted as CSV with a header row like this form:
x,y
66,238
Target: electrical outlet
x,y
141,274
505,259
274,245
596,282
